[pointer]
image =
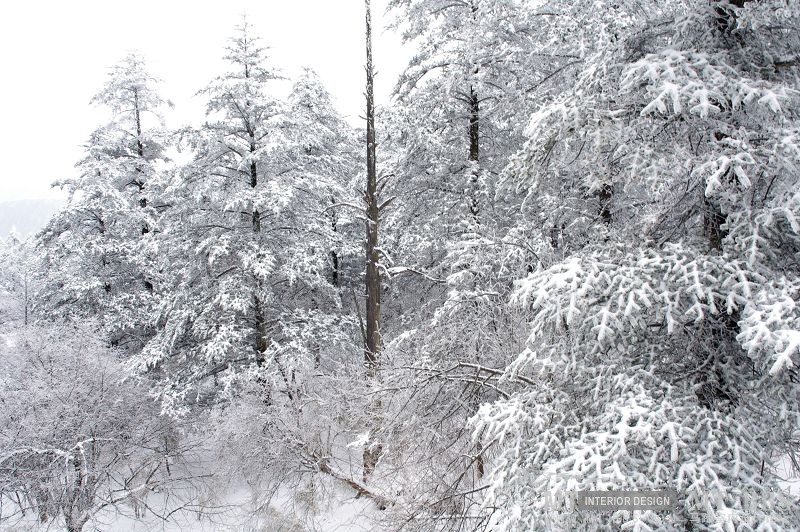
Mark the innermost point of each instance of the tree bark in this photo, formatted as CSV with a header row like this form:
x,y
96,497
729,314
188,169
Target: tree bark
x,y
604,195
140,152
137,117
372,342
474,135
258,307
334,268
334,255
474,149
254,182
75,515
713,219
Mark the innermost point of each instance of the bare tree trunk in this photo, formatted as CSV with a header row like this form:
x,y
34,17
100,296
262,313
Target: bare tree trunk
x,y
138,119
140,152
474,135
75,514
25,290
604,195
334,255
372,342
258,307
713,219
474,148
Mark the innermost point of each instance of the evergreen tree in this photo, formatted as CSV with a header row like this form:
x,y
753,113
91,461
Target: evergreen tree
x,y
672,163
16,281
578,265
249,238
98,253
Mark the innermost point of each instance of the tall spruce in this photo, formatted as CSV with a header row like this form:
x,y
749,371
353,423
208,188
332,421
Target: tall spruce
x,y
98,254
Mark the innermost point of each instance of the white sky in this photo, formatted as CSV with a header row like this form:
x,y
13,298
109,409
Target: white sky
x,y
54,56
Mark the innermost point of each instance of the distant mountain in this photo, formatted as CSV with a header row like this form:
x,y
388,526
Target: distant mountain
x,y
26,216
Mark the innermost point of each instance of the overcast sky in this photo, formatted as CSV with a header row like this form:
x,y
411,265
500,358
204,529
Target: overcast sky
x,y
54,57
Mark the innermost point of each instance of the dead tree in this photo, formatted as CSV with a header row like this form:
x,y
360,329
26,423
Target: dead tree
x,y
372,336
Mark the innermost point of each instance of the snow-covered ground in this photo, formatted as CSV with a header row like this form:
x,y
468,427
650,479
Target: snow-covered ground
x,y
239,510
791,479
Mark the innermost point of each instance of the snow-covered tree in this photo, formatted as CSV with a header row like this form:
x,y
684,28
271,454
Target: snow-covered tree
x,y
16,281
76,436
323,157
97,253
218,260
662,319
461,106
570,262
249,237
456,122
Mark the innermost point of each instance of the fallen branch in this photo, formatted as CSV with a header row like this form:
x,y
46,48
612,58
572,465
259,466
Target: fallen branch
x,y
324,467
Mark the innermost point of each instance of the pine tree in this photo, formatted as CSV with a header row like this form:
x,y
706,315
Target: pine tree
x,y
458,119
98,252
250,239
218,258
652,359
323,155
462,95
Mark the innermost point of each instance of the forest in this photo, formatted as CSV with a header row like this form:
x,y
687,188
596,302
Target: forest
x,y
565,258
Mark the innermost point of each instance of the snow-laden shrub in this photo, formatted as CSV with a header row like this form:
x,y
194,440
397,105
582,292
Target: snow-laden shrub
x,y
75,436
